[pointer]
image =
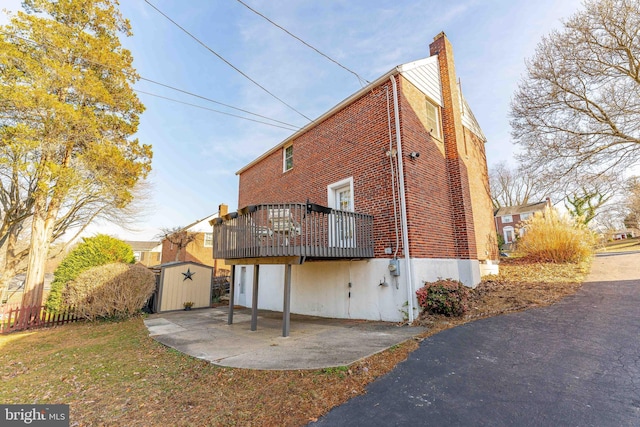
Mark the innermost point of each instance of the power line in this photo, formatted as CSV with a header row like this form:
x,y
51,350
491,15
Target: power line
x,y
290,126
215,111
360,79
224,60
216,102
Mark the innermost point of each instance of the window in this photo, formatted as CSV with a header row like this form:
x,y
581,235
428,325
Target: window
x,y
506,219
288,158
136,255
433,119
208,240
509,234
524,216
340,197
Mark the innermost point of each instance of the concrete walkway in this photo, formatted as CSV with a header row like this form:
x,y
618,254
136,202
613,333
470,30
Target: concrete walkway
x,y
314,342
576,363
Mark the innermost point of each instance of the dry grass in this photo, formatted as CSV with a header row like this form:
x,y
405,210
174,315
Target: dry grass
x,y
114,374
551,237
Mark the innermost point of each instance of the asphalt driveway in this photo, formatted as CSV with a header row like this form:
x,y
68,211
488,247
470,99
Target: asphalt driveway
x,y
576,363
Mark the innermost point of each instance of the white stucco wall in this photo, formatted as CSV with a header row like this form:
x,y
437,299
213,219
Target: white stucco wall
x,y
321,288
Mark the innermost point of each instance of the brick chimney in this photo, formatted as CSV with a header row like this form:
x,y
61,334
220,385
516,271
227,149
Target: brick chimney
x,y
454,142
222,210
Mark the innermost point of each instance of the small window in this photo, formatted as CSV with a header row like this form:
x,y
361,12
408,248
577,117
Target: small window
x,y
506,219
288,158
208,240
433,119
524,216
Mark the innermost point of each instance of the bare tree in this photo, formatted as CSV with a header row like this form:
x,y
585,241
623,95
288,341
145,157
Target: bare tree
x,y
178,237
632,203
586,196
578,107
515,186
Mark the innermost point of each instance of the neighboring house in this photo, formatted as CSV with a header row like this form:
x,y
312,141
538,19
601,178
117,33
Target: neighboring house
x,y
146,253
200,249
508,219
385,191
625,234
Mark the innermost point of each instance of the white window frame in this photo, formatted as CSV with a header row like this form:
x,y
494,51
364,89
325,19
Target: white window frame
x,y
505,232
210,240
331,188
526,215
285,157
437,122
341,228
506,219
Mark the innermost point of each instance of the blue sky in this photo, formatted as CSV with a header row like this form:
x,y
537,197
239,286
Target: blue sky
x,y
197,152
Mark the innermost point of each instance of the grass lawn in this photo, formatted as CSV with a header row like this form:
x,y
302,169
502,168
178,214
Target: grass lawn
x,y
112,373
624,245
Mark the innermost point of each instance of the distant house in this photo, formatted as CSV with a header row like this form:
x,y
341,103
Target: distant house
x,y
508,218
349,216
625,234
200,250
146,253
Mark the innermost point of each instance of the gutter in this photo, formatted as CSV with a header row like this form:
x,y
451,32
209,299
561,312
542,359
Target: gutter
x,y
403,202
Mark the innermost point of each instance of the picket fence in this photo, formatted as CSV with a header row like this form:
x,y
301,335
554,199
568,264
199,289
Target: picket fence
x,y
18,318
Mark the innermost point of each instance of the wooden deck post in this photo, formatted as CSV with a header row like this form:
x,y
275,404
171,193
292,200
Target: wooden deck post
x,y
254,299
286,306
232,287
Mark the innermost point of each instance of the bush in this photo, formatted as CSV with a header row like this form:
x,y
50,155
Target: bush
x,y
92,252
110,291
550,237
445,296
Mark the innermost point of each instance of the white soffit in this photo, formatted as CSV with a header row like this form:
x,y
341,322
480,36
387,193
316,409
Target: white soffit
x,y
469,120
425,75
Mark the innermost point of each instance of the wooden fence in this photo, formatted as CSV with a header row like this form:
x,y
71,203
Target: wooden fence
x,y
16,318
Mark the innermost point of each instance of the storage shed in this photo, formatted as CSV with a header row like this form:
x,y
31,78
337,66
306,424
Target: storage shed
x,y
182,282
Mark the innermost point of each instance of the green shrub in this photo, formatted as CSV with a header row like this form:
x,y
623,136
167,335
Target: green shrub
x,y
550,237
92,252
445,296
110,291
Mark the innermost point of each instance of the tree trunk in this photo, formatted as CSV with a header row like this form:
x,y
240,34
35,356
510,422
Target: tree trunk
x,y
12,260
41,232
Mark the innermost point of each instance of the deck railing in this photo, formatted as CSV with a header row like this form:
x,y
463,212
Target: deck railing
x,y
293,229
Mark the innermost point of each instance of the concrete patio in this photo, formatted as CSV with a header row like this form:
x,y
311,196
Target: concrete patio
x,y
314,342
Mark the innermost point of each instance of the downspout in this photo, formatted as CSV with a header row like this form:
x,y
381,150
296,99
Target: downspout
x,y
403,202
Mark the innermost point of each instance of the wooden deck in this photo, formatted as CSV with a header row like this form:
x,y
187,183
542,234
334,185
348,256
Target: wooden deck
x,y
273,233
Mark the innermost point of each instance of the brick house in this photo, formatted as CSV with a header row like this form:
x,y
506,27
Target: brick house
x,y
147,253
508,218
385,191
200,249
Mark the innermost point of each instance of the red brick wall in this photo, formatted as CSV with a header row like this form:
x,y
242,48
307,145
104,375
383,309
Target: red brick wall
x,y
354,142
453,131
195,252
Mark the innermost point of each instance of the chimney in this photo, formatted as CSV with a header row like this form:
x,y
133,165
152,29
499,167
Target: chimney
x,y
222,210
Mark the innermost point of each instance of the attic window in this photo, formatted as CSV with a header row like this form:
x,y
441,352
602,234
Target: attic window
x,y
288,158
433,119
